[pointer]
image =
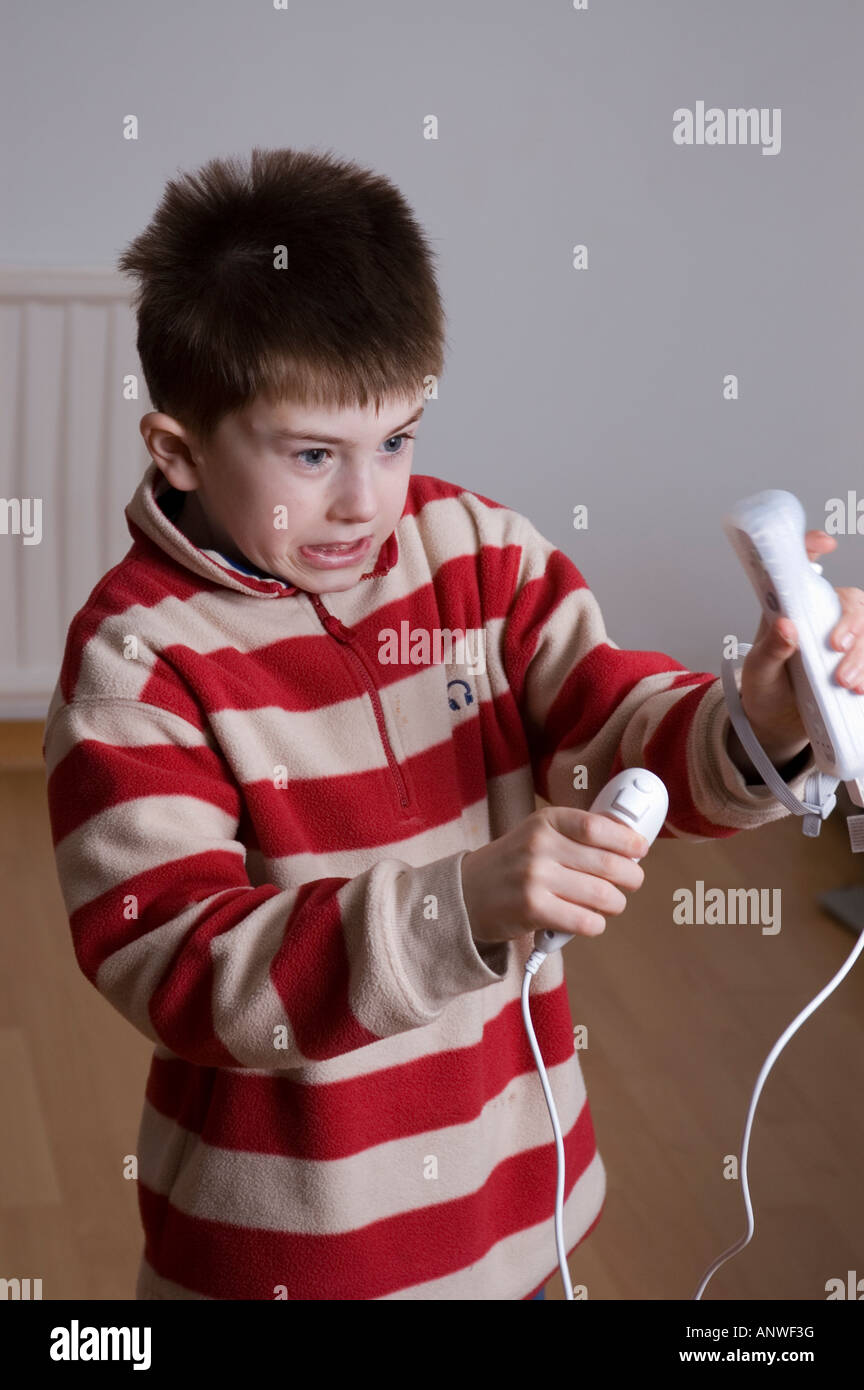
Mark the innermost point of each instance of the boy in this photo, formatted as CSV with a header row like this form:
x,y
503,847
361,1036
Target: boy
x,y
303,860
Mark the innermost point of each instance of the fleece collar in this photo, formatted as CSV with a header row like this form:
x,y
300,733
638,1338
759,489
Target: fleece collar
x,y
149,518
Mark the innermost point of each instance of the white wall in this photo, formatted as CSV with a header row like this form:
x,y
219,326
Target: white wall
x,y
555,128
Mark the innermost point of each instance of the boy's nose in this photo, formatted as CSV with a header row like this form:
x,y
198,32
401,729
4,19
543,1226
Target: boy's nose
x,y
355,502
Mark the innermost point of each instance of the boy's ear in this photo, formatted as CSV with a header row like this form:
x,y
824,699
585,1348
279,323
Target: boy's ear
x,y
168,444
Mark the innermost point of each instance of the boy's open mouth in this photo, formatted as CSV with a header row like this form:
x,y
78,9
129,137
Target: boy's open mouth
x,y
339,553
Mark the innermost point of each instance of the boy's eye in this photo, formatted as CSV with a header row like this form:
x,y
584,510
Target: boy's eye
x,y
316,463
398,436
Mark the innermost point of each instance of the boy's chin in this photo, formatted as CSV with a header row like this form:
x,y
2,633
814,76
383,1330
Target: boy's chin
x,y
330,583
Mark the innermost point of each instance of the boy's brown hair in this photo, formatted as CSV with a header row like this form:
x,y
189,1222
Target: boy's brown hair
x,y
355,315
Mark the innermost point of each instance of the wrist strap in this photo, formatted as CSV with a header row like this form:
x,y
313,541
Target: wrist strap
x,y
819,795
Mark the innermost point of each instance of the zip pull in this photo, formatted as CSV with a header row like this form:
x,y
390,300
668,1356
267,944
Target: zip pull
x,y
335,628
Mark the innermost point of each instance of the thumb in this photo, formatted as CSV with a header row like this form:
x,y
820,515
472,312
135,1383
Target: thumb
x,y
776,646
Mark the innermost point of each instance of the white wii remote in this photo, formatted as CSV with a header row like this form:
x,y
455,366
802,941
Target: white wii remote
x,y
635,797
767,530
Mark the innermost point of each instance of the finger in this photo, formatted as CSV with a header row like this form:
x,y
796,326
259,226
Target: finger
x,y
601,831
586,889
818,543
604,864
848,635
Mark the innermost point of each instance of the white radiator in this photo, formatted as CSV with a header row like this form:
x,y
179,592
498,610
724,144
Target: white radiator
x,y
70,458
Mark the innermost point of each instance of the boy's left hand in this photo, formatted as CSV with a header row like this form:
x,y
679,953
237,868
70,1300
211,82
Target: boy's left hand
x,y
767,696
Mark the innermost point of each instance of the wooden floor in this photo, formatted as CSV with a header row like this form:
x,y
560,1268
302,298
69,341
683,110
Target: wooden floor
x,y
679,1018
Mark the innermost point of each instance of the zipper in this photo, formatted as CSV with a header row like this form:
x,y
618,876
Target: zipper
x,y
343,634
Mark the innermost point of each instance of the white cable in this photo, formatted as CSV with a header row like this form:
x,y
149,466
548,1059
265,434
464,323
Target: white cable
x,y
531,967
559,1142
769,1062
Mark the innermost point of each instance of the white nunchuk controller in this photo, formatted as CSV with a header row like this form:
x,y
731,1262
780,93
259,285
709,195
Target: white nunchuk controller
x,y
768,532
635,797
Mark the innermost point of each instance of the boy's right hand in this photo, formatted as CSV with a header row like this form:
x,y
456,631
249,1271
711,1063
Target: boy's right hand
x,y
556,870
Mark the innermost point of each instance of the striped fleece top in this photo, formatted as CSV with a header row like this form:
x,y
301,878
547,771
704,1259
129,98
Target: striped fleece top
x,y
259,824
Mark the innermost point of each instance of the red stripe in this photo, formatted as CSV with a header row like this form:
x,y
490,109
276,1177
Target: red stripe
x,y
332,1120
356,810
94,776
159,895
231,1261
531,612
85,623
423,488
180,1007
465,592
596,687
312,975
666,755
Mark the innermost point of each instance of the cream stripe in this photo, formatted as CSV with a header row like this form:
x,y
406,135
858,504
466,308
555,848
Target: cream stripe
x,y
273,1192
120,724
136,837
343,737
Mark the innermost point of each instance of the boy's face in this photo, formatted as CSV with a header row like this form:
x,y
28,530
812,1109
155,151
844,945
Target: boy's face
x,y
251,477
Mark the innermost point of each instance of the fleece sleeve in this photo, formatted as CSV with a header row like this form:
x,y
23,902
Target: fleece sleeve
x,y
166,924
585,703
